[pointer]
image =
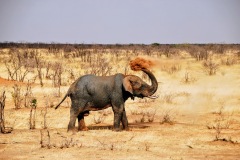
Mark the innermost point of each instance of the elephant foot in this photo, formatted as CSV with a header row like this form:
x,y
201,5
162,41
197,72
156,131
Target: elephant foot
x,y
116,130
72,131
127,129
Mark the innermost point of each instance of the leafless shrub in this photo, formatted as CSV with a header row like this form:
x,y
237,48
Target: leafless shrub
x,y
221,122
151,115
171,68
48,66
105,112
136,112
144,115
57,76
45,139
99,119
199,53
229,61
167,118
39,65
71,74
28,94
210,67
68,143
3,129
168,97
147,146
17,96
17,66
44,112
101,67
188,78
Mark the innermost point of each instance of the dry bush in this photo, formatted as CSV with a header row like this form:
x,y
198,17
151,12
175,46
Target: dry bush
x,y
144,116
210,67
28,95
171,69
141,118
167,118
228,61
100,67
99,118
220,123
39,65
18,67
199,52
45,139
3,129
168,97
151,115
17,96
188,78
44,112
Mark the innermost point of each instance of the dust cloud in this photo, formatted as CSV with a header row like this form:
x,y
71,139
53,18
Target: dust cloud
x,y
140,63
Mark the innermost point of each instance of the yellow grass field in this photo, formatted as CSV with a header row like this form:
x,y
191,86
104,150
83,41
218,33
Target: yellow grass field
x,y
196,116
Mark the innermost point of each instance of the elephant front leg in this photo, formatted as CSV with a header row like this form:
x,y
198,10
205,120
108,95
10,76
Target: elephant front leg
x,y
125,121
118,114
117,119
81,123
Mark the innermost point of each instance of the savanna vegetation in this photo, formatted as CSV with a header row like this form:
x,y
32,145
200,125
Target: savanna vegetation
x,y
196,116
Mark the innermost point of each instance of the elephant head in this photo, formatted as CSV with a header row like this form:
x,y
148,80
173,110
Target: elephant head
x,y
138,88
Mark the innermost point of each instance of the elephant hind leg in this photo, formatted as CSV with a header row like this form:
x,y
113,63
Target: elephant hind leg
x,y
81,122
76,108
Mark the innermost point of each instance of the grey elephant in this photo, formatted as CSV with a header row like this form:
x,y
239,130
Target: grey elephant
x,y
92,93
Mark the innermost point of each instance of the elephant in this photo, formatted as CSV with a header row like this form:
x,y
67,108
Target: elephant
x,y
92,93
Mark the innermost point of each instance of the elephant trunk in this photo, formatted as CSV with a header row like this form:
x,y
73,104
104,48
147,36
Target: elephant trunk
x,y
153,88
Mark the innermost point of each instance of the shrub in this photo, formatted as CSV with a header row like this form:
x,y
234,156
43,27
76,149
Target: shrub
x,y
210,67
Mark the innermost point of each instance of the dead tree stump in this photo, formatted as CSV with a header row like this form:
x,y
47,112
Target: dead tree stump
x,y
3,129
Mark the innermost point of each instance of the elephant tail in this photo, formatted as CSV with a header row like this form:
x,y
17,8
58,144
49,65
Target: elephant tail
x,y
62,100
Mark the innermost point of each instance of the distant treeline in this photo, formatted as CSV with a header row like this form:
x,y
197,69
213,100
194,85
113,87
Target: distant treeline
x,y
72,47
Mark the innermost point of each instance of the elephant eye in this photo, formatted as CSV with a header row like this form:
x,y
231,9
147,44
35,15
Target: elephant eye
x,y
136,84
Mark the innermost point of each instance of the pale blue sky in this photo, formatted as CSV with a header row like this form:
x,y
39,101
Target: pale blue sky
x,y
120,21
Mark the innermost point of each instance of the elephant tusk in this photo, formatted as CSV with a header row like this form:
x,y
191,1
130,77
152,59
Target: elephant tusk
x,y
153,97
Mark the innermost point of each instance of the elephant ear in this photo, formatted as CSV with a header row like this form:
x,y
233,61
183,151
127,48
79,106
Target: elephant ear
x,y
127,85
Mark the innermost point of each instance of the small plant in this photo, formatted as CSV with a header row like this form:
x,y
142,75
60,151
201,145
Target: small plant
x,y
147,147
167,118
188,78
45,142
168,97
68,142
210,67
151,115
229,61
33,113
220,123
171,68
99,119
